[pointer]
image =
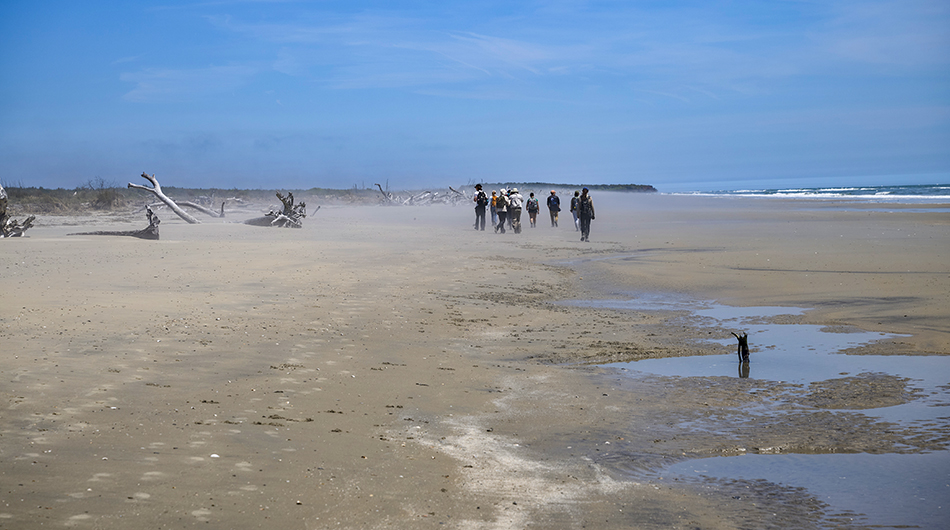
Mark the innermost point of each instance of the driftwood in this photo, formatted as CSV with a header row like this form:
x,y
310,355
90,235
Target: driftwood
x,y
424,198
157,190
10,227
743,350
149,232
203,209
291,216
389,197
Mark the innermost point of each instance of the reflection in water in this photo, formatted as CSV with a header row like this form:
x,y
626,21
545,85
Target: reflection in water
x,y
898,488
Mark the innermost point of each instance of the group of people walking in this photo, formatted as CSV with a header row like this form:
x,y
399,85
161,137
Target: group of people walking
x,y
505,207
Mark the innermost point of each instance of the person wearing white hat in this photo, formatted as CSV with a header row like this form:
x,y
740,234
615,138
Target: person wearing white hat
x,y
501,206
481,201
514,209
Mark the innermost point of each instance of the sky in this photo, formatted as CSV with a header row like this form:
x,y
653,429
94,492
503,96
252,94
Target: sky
x,y
683,95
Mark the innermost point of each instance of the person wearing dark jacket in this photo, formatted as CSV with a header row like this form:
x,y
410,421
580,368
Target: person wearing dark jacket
x,y
577,225
585,213
481,201
554,206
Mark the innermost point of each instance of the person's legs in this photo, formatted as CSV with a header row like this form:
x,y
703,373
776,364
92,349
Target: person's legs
x,y
585,228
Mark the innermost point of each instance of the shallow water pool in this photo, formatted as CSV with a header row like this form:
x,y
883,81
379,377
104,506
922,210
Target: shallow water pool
x,y
890,489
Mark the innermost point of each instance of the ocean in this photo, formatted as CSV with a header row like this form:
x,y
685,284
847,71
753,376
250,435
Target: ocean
x,y
930,193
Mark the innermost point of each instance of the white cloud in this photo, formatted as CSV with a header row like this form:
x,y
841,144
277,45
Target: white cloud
x,y
156,84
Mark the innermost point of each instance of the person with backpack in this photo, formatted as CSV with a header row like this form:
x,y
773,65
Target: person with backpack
x,y
554,206
501,206
514,209
585,212
532,206
481,201
577,225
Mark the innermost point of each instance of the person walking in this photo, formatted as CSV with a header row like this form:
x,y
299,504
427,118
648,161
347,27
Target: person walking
x,y
532,206
577,225
481,201
554,206
501,206
585,213
494,211
516,202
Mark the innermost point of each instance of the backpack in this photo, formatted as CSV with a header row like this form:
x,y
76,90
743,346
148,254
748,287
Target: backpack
x,y
482,199
532,205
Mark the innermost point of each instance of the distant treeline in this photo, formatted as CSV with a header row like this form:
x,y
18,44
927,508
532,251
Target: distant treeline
x,y
98,194
638,188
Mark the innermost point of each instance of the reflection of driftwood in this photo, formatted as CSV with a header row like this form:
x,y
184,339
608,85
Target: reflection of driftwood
x,y
11,227
157,190
291,216
149,232
203,209
743,350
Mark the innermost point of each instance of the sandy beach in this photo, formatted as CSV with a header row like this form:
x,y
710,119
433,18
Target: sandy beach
x,y
390,367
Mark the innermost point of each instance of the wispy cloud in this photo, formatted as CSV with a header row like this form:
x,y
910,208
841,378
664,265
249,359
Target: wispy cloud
x,y
163,85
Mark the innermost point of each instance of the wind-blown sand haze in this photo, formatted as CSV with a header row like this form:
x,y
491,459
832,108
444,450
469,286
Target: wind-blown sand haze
x,y
390,367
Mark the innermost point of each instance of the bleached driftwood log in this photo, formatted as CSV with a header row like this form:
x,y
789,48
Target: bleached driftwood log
x,y
203,209
389,197
291,216
157,190
11,227
149,232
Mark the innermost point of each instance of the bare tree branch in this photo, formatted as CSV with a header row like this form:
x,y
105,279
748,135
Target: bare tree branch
x,y
157,190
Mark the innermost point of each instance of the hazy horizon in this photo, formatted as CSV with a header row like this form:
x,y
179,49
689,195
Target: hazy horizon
x,y
682,95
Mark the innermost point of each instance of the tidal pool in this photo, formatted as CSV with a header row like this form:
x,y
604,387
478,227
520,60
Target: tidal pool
x,y
889,489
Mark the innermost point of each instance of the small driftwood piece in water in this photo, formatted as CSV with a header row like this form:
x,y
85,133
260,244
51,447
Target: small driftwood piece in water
x,y
157,190
10,227
291,216
149,232
743,350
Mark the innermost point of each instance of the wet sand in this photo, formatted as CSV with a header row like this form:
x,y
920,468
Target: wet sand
x,y
390,367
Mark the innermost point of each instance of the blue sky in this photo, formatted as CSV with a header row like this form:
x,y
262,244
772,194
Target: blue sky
x,y
300,94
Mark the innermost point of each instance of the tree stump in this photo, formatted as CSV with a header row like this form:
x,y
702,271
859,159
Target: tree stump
x,y
291,216
743,350
10,227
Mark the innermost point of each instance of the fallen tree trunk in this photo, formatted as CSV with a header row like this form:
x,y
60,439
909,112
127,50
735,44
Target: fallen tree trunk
x,y
157,190
149,232
291,216
11,227
203,209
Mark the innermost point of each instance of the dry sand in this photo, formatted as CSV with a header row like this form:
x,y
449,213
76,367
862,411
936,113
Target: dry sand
x,y
392,368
